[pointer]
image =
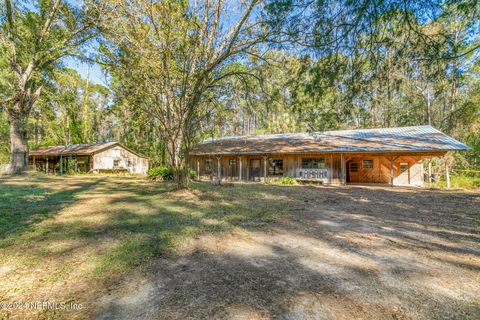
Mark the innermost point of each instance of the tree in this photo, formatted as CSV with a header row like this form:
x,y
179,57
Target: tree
x,y
170,55
34,37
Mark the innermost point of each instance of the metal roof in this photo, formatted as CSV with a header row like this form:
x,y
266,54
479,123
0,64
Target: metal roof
x,y
418,138
77,149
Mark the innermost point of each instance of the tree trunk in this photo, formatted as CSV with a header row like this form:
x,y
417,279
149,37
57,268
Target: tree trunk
x,y
180,175
178,164
18,144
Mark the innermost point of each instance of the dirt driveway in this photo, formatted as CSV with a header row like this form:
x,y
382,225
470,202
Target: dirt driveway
x,y
343,253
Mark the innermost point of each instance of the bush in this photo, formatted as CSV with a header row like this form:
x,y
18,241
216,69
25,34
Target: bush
x,y
284,180
160,173
192,174
288,180
166,173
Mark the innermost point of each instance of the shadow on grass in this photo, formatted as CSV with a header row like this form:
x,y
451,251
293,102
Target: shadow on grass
x,y
140,221
23,204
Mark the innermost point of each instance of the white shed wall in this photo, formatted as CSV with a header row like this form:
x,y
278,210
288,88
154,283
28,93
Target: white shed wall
x,y
124,159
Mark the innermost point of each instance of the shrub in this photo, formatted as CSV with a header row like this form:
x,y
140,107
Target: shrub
x,y
192,174
160,173
284,180
166,173
288,180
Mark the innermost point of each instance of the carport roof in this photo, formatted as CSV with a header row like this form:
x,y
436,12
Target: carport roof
x,y
400,139
77,149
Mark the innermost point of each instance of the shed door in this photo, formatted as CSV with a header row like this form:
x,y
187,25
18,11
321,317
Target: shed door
x,y
352,171
255,169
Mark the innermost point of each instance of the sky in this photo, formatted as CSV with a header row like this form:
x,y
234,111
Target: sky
x,y
96,75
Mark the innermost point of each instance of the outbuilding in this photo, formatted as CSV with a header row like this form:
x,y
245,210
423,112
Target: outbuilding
x,y
106,157
385,155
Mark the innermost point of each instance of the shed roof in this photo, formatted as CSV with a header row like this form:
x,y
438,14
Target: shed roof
x,y
77,149
400,139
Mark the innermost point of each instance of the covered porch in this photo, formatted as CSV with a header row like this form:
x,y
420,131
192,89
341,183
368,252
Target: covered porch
x,y
396,169
60,164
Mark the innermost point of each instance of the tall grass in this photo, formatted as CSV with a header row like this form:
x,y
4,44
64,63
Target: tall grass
x,y
460,181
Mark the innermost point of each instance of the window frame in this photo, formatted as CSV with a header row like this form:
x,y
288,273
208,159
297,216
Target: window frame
x,y
275,167
350,167
368,167
208,166
403,164
116,163
308,163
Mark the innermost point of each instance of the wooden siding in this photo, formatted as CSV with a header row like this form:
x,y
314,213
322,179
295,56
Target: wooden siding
x,y
380,172
336,167
104,160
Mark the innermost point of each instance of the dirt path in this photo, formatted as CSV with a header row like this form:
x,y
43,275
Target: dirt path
x,y
345,253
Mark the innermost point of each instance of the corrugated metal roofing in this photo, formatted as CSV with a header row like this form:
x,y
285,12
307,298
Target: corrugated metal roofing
x,y
72,149
77,149
418,138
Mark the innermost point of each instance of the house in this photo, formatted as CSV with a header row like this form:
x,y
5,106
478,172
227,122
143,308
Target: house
x,y
387,155
111,156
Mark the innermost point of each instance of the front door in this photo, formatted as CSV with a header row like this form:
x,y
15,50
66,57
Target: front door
x,y
255,169
232,169
352,171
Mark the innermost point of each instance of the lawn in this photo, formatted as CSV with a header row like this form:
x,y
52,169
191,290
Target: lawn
x,y
65,238
124,247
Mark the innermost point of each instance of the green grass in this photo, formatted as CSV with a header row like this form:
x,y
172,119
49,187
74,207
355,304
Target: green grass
x,y
132,221
462,182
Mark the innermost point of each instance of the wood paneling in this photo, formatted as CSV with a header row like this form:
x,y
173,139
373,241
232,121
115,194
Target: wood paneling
x,y
292,165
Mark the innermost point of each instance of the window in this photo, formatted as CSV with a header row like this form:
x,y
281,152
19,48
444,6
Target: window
x,y
403,167
275,167
208,166
367,164
313,163
116,163
232,162
353,167
129,163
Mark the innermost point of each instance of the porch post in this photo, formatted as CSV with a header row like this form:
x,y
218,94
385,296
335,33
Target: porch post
x,y
33,165
447,173
391,171
61,164
265,168
430,170
46,166
219,168
76,165
240,159
330,170
198,169
344,178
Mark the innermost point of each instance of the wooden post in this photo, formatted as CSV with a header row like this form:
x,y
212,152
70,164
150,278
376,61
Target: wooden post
x,y
76,164
330,170
46,166
430,170
198,169
240,169
343,166
391,171
219,168
265,168
447,173
61,164
33,165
